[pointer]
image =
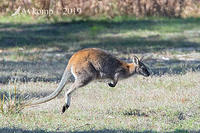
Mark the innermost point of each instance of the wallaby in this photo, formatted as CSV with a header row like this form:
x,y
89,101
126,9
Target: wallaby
x,y
89,64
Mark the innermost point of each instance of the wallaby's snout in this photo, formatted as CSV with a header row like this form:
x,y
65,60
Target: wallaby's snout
x,y
143,70
148,74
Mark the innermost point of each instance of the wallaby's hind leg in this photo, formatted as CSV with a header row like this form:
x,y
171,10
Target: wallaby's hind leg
x,y
83,76
77,84
73,87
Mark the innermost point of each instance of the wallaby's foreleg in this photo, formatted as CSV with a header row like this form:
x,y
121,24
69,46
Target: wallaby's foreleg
x,y
114,80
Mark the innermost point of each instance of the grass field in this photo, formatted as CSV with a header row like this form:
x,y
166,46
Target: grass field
x,y
34,53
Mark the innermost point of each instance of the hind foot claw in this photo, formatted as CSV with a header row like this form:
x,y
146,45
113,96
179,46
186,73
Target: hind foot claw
x,y
65,107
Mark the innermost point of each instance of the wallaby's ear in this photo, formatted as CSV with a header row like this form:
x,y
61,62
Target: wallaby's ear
x,y
142,58
135,60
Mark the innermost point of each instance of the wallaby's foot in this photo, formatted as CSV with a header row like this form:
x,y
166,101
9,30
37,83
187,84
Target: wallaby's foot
x,y
65,107
111,85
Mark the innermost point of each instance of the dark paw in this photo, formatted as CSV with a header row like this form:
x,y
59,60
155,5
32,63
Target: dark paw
x,y
111,85
65,107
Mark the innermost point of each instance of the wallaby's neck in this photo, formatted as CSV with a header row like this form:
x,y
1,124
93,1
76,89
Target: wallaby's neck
x,y
131,68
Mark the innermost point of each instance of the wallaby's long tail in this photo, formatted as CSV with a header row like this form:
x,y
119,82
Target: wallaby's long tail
x,y
65,78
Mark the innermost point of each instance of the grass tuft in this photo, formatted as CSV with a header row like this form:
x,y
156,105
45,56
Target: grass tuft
x,y
135,112
11,103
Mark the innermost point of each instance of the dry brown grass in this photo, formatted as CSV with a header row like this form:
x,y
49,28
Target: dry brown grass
x,y
111,8
163,103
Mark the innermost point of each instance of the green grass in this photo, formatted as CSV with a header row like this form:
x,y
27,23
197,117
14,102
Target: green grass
x,y
119,34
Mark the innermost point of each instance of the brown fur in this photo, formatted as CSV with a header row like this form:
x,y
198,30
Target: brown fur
x,y
99,64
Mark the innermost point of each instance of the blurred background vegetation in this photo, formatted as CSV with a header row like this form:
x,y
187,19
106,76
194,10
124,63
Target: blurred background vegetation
x,y
111,8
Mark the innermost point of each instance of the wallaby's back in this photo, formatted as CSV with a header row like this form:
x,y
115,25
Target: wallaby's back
x,y
102,63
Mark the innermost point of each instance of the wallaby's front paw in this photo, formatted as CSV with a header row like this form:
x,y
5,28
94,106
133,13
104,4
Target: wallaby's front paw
x,y
111,85
65,107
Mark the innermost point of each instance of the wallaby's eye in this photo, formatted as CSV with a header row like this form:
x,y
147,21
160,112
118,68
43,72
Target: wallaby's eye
x,y
142,67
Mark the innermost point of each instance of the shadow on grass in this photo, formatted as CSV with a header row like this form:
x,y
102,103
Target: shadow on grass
x,y
52,71
14,130
31,71
82,34
174,66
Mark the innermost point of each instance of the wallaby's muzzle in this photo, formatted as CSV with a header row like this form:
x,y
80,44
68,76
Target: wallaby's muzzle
x,y
145,73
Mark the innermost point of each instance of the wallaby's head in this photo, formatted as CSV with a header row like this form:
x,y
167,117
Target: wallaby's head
x,y
140,68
